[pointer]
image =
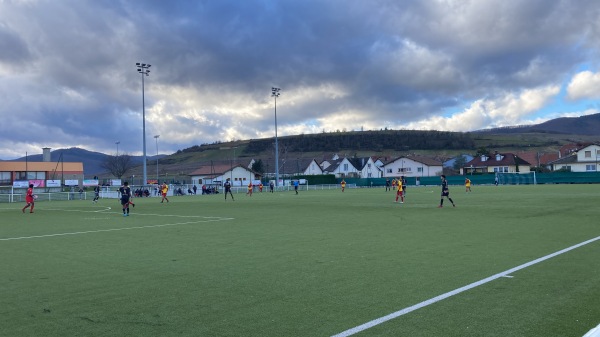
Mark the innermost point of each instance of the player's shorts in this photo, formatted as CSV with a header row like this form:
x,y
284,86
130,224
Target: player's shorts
x,y
124,200
445,193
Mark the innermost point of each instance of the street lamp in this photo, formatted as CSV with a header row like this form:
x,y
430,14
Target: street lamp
x,y
142,68
231,166
156,137
118,147
275,94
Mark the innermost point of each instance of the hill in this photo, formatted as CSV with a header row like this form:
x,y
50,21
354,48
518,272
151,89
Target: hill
x,y
545,137
92,161
585,125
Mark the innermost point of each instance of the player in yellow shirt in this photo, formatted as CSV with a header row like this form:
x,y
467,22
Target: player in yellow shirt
x,y
399,191
467,185
163,190
250,188
343,183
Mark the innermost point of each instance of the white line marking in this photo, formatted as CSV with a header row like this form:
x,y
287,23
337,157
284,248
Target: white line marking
x,y
112,230
105,211
404,311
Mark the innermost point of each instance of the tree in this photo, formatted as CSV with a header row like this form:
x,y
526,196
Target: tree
x,y
459,162
257,166
119,165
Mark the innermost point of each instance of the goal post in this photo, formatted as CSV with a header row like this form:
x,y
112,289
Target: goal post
x,y
527,178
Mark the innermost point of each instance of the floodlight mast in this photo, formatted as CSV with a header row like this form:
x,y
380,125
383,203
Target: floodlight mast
x,y
142,68
275,93
156,138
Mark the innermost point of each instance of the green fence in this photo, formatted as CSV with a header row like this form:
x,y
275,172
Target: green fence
x,y
488,179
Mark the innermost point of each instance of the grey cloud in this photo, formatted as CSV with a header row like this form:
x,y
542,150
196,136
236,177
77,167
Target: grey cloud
x,y
395,61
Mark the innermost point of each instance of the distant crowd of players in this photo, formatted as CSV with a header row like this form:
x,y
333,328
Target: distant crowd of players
x,y
396,184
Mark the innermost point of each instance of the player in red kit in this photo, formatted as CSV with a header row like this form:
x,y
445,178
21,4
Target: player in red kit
x,y
29,198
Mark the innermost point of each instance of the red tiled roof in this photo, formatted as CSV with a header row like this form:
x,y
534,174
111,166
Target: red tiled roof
x,y
536,158
508,159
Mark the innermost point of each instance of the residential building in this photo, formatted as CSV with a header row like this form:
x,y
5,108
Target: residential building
x,y
341,168
583,159
412,166
239,175
497,163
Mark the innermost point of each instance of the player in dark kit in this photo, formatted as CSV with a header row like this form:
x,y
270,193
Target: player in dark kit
x,y
445,192
227,187
125,195
96,194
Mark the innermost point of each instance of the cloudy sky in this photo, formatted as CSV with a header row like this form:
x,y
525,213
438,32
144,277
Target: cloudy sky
x,y
68,76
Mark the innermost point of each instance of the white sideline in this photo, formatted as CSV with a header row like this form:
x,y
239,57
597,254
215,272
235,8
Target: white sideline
x,y
595,332
112,229
404,311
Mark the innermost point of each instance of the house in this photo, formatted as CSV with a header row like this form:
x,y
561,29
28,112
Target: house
x,y
450,162
497,163
218,173
312,168
366,167
538,159
582,159
341,168
412,166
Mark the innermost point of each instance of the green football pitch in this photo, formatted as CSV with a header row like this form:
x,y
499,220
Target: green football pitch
x,y
507,261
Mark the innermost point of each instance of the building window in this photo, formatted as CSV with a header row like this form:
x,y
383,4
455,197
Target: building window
x,y
591,167
389,170
30,175
588,154
5,178
419,169
369,165
346,167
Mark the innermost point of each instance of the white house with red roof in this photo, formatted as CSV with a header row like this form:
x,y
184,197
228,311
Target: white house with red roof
x,y
412,166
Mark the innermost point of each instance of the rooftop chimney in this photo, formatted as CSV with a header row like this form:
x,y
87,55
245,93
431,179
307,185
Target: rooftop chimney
x,y
46,154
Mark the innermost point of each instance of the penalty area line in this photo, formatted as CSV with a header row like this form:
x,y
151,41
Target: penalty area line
x,y
505,273
111,230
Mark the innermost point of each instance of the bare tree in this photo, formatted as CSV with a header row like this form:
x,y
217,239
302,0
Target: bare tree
x,y
118,165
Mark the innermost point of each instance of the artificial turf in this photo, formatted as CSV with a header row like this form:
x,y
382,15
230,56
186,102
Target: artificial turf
x,y
313,264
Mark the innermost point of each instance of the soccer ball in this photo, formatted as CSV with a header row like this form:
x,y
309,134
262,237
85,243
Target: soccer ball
x,y
35,197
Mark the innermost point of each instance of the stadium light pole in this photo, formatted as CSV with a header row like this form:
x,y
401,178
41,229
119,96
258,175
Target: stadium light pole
x,y
275,93
118,147
142,68
231,166
156,138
